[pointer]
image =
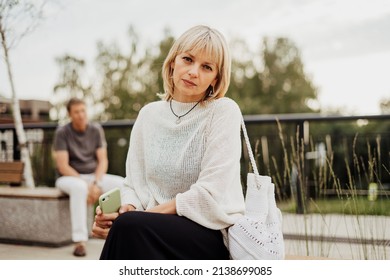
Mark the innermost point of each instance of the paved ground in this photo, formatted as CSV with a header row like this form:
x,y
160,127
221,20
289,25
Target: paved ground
x,y
22,252
94,246
331,236
337,236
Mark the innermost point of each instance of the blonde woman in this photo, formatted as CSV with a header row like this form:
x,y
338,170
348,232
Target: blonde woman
x,y
182,188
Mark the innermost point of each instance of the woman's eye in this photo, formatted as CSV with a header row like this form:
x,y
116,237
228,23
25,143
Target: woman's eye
x,y
188,59
207,67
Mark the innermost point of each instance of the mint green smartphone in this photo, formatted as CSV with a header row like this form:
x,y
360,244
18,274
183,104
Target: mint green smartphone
x,y
110,201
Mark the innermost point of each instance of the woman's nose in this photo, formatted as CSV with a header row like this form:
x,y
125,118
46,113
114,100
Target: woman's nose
x,y
194,70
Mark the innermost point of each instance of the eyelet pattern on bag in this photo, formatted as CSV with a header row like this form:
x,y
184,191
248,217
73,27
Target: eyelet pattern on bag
x,y
258,234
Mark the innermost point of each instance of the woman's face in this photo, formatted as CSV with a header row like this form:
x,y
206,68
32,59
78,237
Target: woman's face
x,y
192,75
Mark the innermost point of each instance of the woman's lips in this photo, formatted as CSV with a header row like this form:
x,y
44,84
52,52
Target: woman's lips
x,y
189,83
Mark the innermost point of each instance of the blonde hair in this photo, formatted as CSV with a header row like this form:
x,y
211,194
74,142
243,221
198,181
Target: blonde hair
x,y
195,40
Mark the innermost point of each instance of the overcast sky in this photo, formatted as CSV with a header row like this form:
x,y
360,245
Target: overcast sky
x,y
345,44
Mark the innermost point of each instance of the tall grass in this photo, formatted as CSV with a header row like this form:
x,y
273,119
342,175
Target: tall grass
x,y
317,186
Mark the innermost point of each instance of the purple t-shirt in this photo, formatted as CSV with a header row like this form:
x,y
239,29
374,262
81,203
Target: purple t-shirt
x,y
81,146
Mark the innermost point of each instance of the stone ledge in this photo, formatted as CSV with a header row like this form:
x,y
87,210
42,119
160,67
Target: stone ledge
x,y
39,192
39,216
49,244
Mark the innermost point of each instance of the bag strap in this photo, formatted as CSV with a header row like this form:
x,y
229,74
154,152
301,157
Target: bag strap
x,y
248,145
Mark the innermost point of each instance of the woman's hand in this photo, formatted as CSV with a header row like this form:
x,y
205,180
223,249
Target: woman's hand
x,y
103,222
165,208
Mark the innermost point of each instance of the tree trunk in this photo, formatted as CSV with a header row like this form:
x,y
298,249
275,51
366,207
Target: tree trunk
x,y
25,156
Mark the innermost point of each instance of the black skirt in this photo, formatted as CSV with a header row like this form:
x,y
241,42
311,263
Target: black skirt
x,y
139,235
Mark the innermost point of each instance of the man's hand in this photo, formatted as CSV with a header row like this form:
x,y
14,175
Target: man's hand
x,y
93,193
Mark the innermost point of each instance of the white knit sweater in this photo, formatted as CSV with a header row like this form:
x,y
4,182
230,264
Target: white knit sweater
x,y
197,161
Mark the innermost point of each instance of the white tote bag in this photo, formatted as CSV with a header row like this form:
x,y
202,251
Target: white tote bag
x,y
258,234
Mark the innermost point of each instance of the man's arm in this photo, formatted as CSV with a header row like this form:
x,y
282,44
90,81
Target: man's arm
x,y
102,166
94,190
62,163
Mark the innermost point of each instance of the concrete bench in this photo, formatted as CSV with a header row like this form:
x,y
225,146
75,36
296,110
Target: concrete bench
x,y
37,216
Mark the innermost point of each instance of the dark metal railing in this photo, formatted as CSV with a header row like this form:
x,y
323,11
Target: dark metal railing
x,y
349,135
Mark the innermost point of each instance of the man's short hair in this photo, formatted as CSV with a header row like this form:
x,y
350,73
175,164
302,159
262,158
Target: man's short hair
x,y
73,101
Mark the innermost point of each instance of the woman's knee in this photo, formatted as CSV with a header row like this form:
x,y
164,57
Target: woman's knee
x,y
127,221
133,224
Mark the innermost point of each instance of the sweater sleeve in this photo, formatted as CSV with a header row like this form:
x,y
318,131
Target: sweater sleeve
x,y
134,159
216,199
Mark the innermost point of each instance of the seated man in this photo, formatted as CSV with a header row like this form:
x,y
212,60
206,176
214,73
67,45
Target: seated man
x,y
81,160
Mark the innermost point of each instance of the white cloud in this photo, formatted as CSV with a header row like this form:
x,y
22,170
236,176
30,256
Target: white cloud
x,y
337,38
356,83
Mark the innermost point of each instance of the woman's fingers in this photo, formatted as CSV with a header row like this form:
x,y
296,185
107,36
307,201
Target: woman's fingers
x,y
103,224
98,211
99,232
126,208
105,220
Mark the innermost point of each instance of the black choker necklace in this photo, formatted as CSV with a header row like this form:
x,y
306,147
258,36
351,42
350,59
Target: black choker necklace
x,y
179,117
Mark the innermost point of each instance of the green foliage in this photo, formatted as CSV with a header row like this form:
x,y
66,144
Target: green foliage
x,y
129,81
272,80
354,156
345,205
70,85
385,106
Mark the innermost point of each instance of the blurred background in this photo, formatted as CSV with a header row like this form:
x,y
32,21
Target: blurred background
x,y
336,51
296,61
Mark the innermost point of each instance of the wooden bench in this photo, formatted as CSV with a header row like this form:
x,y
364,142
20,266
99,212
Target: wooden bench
x,y
11,172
